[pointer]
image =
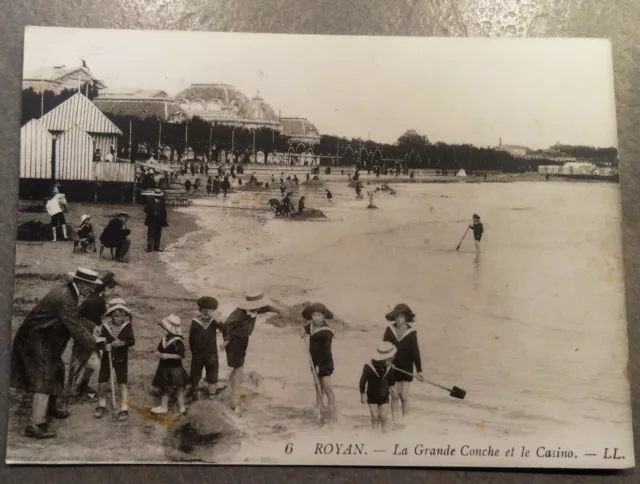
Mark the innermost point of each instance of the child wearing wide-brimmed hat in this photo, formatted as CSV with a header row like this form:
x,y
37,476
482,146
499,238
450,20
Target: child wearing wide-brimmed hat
x,y
171,375
204,348
405,338
376,382
320,339
119,337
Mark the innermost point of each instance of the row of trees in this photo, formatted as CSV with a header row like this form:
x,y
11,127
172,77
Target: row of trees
x,y
151,136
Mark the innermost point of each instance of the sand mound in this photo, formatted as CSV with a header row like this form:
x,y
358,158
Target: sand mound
x,y
207,430
292,316
309,214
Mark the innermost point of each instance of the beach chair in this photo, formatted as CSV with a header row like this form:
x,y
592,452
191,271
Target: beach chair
x,y
112,250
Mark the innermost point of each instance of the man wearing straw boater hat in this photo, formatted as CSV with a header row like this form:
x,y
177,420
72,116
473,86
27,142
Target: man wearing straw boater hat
x,y
236,331
36,354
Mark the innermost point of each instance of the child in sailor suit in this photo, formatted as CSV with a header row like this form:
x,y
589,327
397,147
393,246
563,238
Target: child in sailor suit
x,y
376,383
119,337
405,338
203,345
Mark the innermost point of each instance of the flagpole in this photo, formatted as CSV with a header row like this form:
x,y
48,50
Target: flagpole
x,y
130,141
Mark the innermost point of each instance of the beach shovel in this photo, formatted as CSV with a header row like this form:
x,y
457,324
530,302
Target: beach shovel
x,y
112,376
454,392
465,234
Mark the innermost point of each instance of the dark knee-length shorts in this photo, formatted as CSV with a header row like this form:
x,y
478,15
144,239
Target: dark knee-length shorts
x,y
209,362
237,351
120,368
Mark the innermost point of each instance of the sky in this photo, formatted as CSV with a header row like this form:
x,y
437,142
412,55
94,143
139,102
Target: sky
x,y
531,92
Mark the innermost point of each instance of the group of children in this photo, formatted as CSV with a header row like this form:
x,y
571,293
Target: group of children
x,y
116,336
386,377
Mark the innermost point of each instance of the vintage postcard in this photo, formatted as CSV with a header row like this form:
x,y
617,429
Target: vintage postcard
x,y
318,250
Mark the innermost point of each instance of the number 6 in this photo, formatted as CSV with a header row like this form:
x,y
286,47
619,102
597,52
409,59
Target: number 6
x,y
288,449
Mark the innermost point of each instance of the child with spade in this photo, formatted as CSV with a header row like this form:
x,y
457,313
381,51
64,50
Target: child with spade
x,y
478,230
320,339
119,337
405,339
376,384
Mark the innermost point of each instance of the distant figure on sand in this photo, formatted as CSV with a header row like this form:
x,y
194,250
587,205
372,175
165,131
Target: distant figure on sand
x,y
377,382
237,330
478,230
329,196
187,186
405,339
358,190
320,339
56,206
301,205
225,186
370,195
155,220
114,236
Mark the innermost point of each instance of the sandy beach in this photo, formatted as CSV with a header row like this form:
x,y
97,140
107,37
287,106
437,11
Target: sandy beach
x,y
518,327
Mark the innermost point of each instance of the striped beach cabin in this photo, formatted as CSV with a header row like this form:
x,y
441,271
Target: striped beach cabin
x,y
62,145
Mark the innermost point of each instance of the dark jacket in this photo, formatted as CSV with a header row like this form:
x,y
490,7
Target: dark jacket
x,y
238,324
40,341
202,337
320,344
114,233
376,381
125,334
93,308
408,353
85,230
156,213
478,230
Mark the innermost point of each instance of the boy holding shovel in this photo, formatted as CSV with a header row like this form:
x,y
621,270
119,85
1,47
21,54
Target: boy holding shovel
x,y
405,339
119,338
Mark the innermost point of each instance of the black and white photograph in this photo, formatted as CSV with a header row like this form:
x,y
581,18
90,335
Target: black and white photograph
x,y
261,249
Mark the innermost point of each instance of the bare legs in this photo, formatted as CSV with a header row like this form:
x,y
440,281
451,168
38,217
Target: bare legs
x,y
379,416
327,389
400,401
235,379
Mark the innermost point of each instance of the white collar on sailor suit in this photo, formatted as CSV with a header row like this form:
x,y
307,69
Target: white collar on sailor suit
x,y
167,342
201,323
372,366
393,329
112,331
313,331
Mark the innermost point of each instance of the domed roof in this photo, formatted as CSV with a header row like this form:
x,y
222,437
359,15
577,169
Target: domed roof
x,y
225,93
300,129
258,112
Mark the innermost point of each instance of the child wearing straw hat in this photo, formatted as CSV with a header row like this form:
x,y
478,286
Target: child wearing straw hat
x,y
320,339
405,339
119,337
170,374
376,383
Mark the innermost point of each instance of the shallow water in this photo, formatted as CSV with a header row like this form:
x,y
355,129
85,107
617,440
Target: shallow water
x,y
533,328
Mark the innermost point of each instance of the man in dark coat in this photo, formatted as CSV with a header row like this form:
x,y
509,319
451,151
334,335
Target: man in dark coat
x,y
84,362
36,354
115,236
156,219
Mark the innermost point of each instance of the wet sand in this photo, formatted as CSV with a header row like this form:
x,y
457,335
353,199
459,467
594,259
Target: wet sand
x,y
520,327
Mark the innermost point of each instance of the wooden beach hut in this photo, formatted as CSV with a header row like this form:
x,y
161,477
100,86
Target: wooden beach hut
x,y
77,129
36,151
